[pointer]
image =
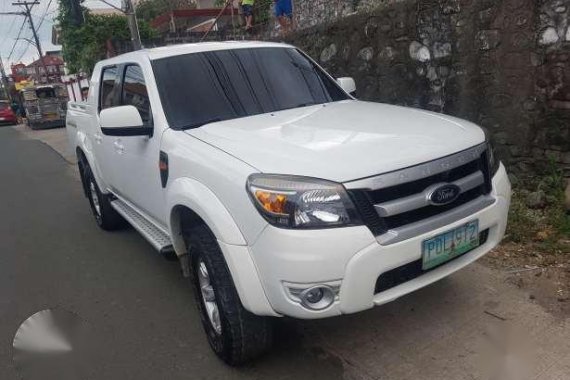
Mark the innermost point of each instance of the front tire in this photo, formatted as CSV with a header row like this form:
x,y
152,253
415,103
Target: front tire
x,y
235,334
105,215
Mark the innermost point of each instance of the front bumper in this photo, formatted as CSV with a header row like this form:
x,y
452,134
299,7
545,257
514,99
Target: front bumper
x,y
46,124
351,259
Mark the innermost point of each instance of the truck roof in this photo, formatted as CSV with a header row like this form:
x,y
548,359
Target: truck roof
x,y
173,50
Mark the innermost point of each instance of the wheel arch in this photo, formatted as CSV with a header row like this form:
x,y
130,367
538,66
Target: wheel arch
x,y
179,215
186,196
191,202
81,162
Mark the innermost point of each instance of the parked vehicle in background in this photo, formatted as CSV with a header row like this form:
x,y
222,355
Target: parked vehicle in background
x,y
280,193
44,106
7,116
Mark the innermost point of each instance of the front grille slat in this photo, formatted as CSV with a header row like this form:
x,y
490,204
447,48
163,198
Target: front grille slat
x,y
410,188
420,199
390,208
430,211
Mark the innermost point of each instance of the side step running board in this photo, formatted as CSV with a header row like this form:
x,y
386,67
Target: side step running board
x,y
159,240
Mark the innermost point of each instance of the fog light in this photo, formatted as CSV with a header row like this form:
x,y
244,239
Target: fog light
x,y
317,297
314,295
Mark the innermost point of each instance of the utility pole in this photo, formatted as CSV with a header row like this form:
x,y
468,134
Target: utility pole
x,y
5,83
28,7
129,11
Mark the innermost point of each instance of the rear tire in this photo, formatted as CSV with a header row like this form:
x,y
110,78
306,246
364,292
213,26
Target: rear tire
x,y
235,334
105,215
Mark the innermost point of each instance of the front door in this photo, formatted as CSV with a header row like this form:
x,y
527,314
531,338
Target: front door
x,y
137,176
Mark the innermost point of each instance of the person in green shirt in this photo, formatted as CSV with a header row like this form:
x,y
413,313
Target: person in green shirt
x,y
247,9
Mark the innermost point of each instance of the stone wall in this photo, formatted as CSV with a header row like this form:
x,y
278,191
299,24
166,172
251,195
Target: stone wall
x,y
328,11
503,64
331,10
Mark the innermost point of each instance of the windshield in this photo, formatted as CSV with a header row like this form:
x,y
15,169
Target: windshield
x,y
4,106
45,92
200,88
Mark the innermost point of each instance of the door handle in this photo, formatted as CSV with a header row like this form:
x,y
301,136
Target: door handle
x,y
98,138
120,148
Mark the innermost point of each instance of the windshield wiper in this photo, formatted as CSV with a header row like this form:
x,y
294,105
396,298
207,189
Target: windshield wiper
x,y
201,123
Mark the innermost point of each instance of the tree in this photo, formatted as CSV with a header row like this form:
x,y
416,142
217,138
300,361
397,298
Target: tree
x,y
84,44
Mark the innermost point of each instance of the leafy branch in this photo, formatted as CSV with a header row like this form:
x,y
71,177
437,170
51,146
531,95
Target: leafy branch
x,y
86,44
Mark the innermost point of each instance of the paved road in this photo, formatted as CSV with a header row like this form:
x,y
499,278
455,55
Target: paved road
x,y
53,255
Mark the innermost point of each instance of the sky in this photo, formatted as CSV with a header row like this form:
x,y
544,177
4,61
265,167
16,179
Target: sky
x,y
43,15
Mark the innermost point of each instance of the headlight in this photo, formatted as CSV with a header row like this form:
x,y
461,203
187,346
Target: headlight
x,y
494,163
301,202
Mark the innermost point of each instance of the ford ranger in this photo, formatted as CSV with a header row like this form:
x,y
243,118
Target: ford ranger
x,y
278,191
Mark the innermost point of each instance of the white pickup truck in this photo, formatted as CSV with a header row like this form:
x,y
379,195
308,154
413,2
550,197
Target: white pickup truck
x,y
278,191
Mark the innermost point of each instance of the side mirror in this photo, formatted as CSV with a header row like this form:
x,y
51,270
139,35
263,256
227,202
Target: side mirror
x,y
123,121
348,85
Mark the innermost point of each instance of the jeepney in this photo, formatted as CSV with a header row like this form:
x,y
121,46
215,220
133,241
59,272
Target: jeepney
x,y
44,105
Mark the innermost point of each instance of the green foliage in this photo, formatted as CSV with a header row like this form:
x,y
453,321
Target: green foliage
x,y
263,11
553,181
83,46
549,226
522,225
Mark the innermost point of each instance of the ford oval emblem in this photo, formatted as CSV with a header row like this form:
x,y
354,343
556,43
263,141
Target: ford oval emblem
x,y
443,194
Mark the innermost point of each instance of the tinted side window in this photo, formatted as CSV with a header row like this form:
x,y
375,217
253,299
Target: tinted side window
x,y
107,92
135,93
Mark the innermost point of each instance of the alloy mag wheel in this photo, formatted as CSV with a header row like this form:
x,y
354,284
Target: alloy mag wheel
x,y
95,200
209,298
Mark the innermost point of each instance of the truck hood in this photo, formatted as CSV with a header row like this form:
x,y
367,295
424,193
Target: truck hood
x,y
340,141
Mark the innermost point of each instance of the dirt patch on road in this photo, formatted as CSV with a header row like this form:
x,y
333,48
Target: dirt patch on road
x,y
545,276
535,255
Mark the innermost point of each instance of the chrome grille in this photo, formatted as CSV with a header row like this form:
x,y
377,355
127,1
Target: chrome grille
x,y
395,205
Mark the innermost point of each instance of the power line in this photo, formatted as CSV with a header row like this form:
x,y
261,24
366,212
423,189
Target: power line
x,y
111,5
24,52
28,8
17,39
19,31
44,15
42,19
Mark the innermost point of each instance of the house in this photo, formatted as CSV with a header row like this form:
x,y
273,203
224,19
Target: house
x,y
51,62
19,73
